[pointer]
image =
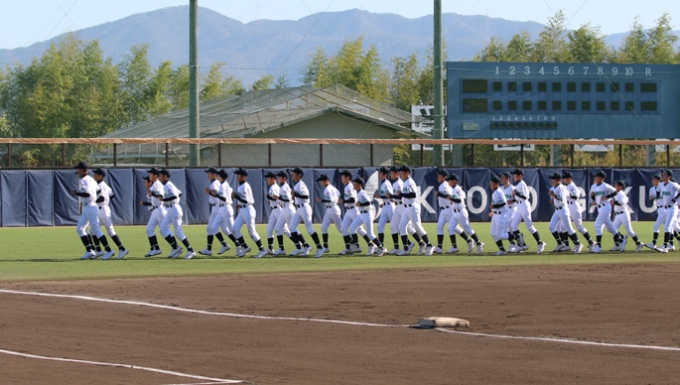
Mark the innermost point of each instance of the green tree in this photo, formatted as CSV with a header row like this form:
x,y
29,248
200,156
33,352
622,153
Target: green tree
x,y
135,74
493,52
264,83
551,46
587,45
519,48
215,83
635,47
662,42
404,90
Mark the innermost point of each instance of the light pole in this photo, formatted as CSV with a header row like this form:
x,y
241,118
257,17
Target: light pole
x,y
438,131
194,120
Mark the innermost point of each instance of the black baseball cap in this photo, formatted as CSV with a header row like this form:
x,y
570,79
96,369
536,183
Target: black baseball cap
x,y
212,170
506,174
555,176
99,171
81,166
322,177
384,170
620,183
146,178
667,172
453,177
241,171
298,170
346,173
601,174
494,179
153,170
567,174
656,176
165,172
282,174
270,175
223,174
517,172
358,180
394,169
405,169
443,172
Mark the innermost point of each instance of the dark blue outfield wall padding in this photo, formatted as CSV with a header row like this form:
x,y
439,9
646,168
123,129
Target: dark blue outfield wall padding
x,y
43,197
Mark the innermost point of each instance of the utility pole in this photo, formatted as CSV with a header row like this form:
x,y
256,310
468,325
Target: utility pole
x,y
438,131
194,123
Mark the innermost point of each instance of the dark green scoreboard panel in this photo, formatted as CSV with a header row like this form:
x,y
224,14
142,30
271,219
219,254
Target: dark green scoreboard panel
x,y
558,100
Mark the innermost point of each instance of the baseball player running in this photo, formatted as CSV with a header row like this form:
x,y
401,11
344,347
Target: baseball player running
x,y
333,214
511,208
303,215
459,216
411,214
225,208
600,193
397,186
155,193
275,213
523,213
669,192
215,219
351,213
386,206
171,199
655,196
622,217
246,216
87,192
558,197
287,211
366,217
574,206
104,196
498,210
443,194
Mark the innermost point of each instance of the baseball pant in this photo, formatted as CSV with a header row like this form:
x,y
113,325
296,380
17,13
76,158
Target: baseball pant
x,y
286,215
560,217
507,217
411,215
624,219
214,221
303,215
604,219
671,219
385,217
273,219
332,216
520,214
364,218
105,220
576,215
246,216
157,216
660,219
350,216
444,219
227,213
395,222
499,231
460,217
89,216
173,217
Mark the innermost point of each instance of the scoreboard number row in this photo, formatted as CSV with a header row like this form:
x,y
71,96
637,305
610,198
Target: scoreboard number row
x,y
572,70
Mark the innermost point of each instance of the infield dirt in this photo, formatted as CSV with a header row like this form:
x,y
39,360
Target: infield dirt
x,y
625,304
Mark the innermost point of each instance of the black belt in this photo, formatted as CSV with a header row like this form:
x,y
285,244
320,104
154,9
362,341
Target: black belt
x,y
168,204
406,205
100,207
601,205
242,206
397,202
300,205
620,212
660,207
364,211
275,207
497,212
221,205
330,206
457,210
571,202
559,208
349,207
444,208
668,207
213,204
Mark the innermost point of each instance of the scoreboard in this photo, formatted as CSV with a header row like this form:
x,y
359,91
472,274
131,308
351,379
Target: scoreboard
x,y
562,100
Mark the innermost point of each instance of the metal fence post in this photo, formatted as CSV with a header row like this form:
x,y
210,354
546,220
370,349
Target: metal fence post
x,y
521,153
167,154
321,155
422,154
9,155
371,162
620,155
115,155
668,155
571,160
63,155
269,154
472,155
219,154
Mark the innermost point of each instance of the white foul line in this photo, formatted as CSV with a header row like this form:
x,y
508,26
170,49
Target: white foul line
x,y
352,323
125,366
562,340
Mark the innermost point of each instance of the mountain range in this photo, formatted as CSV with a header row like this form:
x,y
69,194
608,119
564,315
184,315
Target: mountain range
x,y
283,47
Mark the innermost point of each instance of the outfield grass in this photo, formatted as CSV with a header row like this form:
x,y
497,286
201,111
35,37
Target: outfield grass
x,y
31,254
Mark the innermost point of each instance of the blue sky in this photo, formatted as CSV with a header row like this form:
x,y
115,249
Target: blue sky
x,y
28,21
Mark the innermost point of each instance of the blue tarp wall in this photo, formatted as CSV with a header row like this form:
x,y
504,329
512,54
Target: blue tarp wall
x,y
42,197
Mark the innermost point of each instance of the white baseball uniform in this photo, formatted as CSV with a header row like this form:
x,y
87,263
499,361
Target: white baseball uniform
x,y
275,213
574,206
287,210
366,215
215,219
246,212
333,213
103,200
226,208
398,209
411,214
351,210
304,209
498,231
622,216
387,210
157,208
445,212
603,192
459,212
560,215
655,193
669,192
523,209
508,191
90,211
174,213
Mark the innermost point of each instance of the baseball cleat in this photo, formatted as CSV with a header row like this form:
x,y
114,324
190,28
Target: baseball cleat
x,y
244,251
280,252
565,248
541,248
500,252
108,255
262,253
596,249
88,255
151,253
452,250
670,247
471,246
410,247
615,248
122,254
207,252
429,250
558,248
421,251
175,252
404,252
355,249
344,252
306,250
371,250
623,244
326,250
480,247
651,246
319,253
100,253
578,248
394,251
638,247
438,250
270,251
190,254
296,252
380,252
521,239
223,249
514,249
662,249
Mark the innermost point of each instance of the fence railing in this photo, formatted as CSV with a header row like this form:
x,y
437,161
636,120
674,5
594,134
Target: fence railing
x,y
174,152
